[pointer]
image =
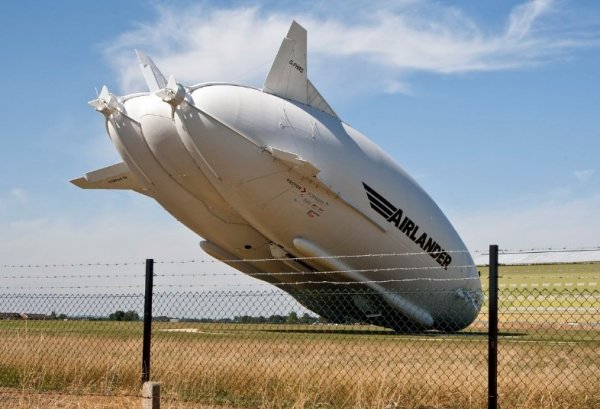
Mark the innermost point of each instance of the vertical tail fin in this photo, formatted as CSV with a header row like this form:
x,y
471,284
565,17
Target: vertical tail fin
x,y
288,75
154,78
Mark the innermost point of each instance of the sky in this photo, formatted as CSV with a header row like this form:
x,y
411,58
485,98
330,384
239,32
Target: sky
x,y
492,106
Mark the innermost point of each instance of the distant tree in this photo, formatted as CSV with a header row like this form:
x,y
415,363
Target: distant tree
x,y
131,316
124,316
248,319
52,315
292,318
117,315
276,319
62,316
307,319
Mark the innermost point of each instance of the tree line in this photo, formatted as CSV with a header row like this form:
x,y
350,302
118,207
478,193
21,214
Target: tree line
x,y
291,318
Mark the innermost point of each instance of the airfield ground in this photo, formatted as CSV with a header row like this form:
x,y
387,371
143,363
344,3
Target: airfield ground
x,y
549,357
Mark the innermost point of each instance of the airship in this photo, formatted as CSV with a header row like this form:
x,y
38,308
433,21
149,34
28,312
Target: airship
x,y
281,189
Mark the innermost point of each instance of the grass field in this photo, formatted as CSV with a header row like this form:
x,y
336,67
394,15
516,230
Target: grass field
x,y
549,357
580,276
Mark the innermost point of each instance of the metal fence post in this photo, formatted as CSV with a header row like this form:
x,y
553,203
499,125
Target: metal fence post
x,y
147,320
493,330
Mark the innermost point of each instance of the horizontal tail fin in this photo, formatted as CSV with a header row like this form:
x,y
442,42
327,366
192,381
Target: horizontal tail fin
x,y
117,176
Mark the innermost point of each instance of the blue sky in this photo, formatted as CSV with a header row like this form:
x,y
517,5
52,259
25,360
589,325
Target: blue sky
x,y
492,106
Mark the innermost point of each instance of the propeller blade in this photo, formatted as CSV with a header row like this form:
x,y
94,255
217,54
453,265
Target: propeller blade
x,y
173,93
106,102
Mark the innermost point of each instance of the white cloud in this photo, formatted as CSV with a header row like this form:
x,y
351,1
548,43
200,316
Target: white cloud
x,y
396,87
202,43
562,223
583,176
15,197
216,45
20,195
523,16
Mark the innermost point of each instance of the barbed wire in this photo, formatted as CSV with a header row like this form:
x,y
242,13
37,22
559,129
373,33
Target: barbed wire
x,y
302,273
18,277
508,277
305,258
69,296
283,284
267,284
270,259
141,285
65,265
236,274
70,287
541,250
550,277
232,261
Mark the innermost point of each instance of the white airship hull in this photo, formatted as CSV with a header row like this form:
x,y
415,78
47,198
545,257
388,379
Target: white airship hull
x,y
261,176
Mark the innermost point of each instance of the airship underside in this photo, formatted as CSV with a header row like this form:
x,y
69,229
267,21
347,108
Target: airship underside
x,y
275,183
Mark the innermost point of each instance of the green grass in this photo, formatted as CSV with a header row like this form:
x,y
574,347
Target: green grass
x,y
587,275
75,328
548,289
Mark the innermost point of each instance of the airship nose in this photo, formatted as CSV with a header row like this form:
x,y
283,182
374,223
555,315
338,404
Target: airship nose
x,y
462,309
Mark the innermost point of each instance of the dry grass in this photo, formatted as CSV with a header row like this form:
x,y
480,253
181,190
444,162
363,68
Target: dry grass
x,y
273,366
27,399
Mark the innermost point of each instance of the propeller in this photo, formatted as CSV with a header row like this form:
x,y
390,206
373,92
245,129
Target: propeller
x,y
106,103
170,91
174,93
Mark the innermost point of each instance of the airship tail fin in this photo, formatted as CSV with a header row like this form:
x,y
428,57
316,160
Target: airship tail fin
x,y
117,176
288,75
315,99
152,75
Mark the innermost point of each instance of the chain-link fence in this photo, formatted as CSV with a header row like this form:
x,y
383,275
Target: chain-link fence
x,y
255,345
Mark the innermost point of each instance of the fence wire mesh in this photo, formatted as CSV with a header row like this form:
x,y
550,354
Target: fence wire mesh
x,y
262,346
254,345
86,343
